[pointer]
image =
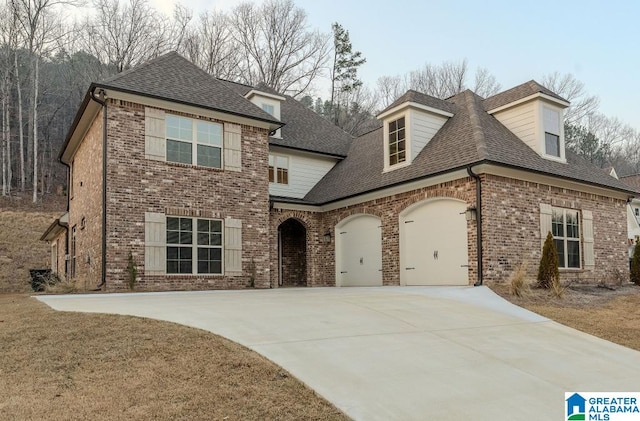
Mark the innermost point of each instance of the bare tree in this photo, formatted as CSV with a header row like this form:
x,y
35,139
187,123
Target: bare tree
x,y
123,34
212,46
277,46
389,89
441,81
573,90
486,84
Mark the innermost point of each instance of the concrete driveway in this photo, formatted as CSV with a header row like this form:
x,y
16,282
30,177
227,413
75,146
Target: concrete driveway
x,y
400,353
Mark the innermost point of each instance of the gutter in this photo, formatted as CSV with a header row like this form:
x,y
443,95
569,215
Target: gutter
x,y
476,177
104,188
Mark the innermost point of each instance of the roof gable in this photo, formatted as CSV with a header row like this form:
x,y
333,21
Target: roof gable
x,y
174,78
517,93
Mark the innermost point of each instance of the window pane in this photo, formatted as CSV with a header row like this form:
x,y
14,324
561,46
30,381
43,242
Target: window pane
x,y
557,223
172,253
268,108
209,133
209,156
392,126
172,266
573,254
203,225
185,253
215,240
215,267
203,239
186,224
271,179
401,134
186,267
216,226
401,123
552,144
560,247
216,254
179,128
178,151
401,156
173,223
393,159
186,237
173,237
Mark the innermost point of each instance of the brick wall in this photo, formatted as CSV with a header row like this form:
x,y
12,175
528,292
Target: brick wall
x,y
321,256
137,185
85,203
511,225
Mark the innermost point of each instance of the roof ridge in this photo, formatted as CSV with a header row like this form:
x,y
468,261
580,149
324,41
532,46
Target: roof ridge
x,y
476,126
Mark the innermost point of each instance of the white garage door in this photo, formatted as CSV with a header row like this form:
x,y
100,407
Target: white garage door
x,y
433,243
359,251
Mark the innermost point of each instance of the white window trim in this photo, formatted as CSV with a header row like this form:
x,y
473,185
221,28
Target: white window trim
x,y
194,247
543,130
407,140
566,239
275,169
194,142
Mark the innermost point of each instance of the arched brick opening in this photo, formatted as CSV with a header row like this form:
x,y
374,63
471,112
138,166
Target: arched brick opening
x,y
292,253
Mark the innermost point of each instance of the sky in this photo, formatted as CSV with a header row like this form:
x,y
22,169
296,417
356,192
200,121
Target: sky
x,y
517,40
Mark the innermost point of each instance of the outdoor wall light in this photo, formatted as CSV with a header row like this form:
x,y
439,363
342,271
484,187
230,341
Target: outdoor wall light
x,y
327,237
471,214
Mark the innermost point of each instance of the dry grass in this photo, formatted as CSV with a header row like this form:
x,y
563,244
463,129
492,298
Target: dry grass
x,y
611,314
75,366
519,285
21,248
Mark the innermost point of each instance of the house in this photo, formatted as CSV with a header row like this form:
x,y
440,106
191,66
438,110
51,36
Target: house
x,y
213,184
633,211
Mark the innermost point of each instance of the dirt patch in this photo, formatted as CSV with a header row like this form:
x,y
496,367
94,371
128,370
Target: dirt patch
x,y
75,366
611,313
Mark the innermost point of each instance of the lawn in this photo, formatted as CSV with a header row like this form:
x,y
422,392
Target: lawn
x,y
611,313
74,366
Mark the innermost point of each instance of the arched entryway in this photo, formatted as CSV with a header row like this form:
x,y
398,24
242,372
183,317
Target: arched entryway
x,y
292,254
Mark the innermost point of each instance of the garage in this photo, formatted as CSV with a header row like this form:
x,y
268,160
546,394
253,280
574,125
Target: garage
x,y
359,251
433,243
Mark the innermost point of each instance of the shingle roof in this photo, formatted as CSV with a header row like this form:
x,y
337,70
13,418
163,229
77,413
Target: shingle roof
x,y
304,129
175,78
518,92
632,181
470,136
422,99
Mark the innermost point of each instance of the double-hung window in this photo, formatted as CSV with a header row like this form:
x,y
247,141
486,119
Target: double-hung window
x,y
278,169
566,236
191,141
194,246
397,142
552,132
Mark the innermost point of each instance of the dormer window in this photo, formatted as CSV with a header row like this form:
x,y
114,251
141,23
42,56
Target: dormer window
x,y
269,109
552,132
397,142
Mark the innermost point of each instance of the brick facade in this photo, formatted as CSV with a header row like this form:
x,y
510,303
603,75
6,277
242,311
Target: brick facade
x,y
136,185
511,229
85,210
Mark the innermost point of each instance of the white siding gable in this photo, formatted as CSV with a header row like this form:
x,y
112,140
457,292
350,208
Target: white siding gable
x,y
530,120
305,170
268,103
522,121
422,127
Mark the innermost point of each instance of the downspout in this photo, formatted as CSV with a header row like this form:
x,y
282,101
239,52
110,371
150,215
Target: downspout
x,y
478,223
66,227
104,189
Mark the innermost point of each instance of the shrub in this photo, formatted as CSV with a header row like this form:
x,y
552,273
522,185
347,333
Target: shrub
x,y
548,272
635,264
519,286
133,272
